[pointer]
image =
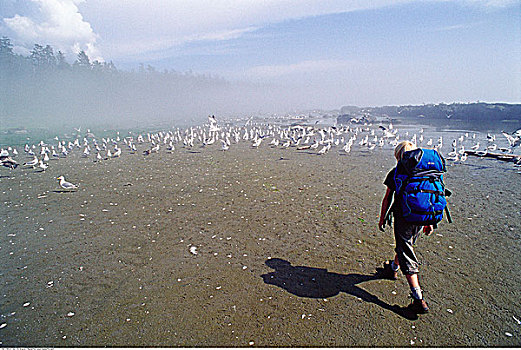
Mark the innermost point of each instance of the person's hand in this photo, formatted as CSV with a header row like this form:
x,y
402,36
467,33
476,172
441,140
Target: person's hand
x,y
428,229
381,225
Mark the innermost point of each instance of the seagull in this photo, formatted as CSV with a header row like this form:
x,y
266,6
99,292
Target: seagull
x,y
453,153
33,162
257,142
454,157
213,124
212,120
325,149
225,146
475,147
117,153
492,147
512,140
42,165
8,162
66,185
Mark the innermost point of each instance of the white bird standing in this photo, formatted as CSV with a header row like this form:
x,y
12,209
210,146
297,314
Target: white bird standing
x,y
325,149
33,162
512,141
42,165
225,146
66,185
257,142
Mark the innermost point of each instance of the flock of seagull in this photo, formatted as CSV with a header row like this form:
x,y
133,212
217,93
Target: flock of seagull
x,y
301,137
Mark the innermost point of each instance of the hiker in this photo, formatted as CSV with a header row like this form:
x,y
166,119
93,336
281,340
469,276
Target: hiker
x,y
405,234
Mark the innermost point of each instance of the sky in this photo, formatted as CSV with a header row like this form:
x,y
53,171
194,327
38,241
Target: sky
x,y
326,53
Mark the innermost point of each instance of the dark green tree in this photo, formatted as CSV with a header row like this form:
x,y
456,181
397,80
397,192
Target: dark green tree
x,y
110,67
61,63
43,57
82,60
7,56
37,55
6,47
49,60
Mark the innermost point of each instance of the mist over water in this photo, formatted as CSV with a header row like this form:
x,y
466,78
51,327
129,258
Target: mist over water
x,y
124,99
42,90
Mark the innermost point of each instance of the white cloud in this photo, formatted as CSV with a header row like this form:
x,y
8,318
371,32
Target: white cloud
x,y
137,26
57,23
133,27
156,28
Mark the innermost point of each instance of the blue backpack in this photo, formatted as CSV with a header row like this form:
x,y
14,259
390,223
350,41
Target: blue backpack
x,y
421,191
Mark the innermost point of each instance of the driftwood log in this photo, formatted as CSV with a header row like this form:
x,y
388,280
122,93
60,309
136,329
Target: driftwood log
x,y
499,156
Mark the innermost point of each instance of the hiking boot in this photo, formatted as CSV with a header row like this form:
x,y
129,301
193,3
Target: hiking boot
x,y
388,271
419,306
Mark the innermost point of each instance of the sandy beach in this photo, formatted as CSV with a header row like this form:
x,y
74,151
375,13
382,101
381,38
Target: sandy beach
x,y
264,247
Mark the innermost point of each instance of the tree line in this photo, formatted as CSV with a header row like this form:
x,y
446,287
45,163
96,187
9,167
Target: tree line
x,y
42,88
44,58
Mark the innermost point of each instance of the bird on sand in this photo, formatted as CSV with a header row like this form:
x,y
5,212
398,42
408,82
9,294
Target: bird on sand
x,y
33,162
42,165
513,141
66,185
7,161
225,146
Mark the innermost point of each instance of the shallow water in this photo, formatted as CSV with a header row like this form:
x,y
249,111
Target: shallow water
x,y
111,264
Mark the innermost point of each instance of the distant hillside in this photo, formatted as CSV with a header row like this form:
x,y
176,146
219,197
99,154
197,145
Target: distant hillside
x,y
480,116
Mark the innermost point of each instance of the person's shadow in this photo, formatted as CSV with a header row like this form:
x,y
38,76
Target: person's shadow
x,y
312,282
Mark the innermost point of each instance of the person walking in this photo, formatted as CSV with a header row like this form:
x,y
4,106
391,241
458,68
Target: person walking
x,y
405,235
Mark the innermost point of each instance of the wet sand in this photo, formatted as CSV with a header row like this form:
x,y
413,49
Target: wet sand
x,y
111,265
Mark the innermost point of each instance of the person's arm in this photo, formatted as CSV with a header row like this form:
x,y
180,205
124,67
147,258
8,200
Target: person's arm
x,y
386,202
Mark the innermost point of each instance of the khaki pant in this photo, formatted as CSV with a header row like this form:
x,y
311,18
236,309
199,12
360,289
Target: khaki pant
x,y
406,235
